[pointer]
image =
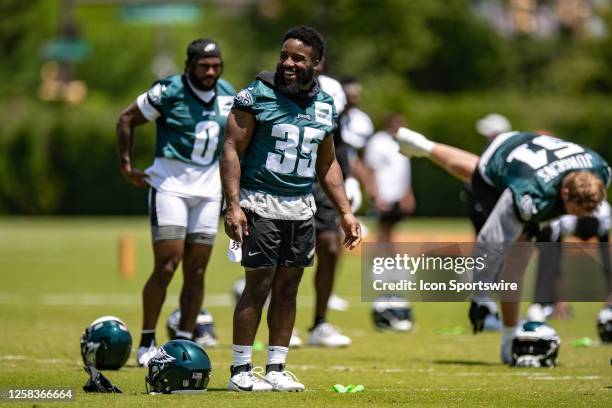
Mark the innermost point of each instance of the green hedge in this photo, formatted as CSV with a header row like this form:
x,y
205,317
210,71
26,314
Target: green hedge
x,y
57,159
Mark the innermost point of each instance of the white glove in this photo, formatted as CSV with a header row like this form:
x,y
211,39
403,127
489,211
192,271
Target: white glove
x,y
353,192
413,144
234,251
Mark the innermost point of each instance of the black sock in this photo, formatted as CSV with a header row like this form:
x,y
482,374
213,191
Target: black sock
x,y
318,320
147,338
275,367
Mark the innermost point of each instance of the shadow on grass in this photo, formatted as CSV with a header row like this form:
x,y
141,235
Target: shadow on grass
x,y
465,362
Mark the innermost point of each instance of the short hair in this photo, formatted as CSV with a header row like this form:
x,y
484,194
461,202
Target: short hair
x,y
203,48
308,36
585,189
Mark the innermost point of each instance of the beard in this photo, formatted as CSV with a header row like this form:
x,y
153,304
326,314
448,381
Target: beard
x,y
199,84
303,77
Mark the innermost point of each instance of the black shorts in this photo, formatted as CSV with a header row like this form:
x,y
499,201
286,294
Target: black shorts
x,y
326,217
392,216
272,243
484,197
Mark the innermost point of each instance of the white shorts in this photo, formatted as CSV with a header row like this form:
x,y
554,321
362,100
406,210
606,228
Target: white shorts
x,y
184,216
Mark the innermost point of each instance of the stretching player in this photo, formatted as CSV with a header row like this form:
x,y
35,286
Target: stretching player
x,y
521,180
190,112
278,138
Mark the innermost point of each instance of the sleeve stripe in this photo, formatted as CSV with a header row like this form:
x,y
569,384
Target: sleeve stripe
x,y
147,109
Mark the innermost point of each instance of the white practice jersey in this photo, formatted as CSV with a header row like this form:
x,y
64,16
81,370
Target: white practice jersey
x,y
334,89
356,128
391,168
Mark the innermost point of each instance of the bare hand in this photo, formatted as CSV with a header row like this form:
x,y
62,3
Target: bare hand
x,y
236,223
352,231
135,176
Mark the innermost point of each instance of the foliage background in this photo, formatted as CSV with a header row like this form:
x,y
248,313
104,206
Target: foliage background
x,y
436,61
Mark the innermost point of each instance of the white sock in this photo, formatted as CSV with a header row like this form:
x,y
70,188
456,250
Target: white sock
x,y
183,334
277,354
242,354
413,143
508,331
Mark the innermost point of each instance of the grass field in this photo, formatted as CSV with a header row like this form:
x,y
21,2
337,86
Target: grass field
x,y
59,274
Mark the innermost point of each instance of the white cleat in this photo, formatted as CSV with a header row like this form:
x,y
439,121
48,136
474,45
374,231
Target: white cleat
x,y
413,144
326,335
284,381
145,354
336,303
295,341
243,380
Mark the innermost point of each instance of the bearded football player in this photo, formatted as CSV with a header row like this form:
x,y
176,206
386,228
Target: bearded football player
x,y
190,113
279,138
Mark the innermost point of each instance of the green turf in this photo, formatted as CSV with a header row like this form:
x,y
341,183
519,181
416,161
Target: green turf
x,y
59,274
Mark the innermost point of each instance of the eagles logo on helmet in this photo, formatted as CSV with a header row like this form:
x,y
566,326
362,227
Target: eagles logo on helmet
x,y
535,344
106,344
180,366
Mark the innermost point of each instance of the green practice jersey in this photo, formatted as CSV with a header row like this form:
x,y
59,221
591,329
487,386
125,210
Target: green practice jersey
x,y
533,167
281,156
189,129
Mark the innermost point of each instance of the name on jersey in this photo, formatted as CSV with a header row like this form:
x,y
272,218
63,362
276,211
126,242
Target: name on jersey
x,y
552,170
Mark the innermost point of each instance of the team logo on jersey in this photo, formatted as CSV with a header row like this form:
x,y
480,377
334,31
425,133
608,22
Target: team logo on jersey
x,y
323,113
155,93
244,98
225,104
303,116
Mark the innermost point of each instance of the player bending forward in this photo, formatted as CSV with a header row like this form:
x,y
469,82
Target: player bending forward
x,y
522,179
279,135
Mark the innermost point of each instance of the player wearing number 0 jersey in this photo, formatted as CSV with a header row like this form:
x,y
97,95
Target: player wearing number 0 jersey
x,y
278,139
190,113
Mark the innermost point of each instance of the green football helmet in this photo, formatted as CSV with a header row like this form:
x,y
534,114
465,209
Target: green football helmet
x,y
106,344
180,366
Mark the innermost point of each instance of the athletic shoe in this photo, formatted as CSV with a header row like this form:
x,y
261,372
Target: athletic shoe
x,y
338,304
242,379
413,144
326,335
536,313
144,354
295,341
284,381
